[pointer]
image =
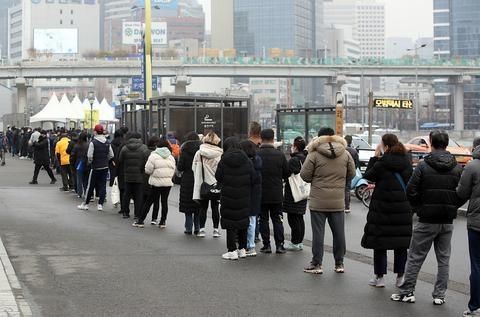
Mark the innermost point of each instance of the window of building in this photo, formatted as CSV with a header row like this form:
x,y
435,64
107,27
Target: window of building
x,y
71,22
61,22
61,11
71,11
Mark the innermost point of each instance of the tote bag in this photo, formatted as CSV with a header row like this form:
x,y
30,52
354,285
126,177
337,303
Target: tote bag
x,y
115,193
300,188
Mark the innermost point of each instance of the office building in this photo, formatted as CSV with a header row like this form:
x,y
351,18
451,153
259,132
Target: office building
x,y
222,24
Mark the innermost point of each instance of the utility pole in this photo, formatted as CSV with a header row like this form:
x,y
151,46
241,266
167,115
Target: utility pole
x,y
147,51
370,116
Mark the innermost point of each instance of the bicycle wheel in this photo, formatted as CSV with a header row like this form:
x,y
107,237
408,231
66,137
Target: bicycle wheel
x,y
367,197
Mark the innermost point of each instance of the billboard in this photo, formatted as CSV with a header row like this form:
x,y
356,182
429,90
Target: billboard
x,y
132,33
56,41
393,103
159,4
137,83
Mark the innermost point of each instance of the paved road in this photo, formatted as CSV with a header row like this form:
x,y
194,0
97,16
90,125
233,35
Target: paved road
x,y
73,263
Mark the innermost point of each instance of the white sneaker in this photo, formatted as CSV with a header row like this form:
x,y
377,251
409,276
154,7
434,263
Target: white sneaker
x,y
377,282
201,233
216,233
242,253
251,252
100,207
83,206
439,301
469,313
230,256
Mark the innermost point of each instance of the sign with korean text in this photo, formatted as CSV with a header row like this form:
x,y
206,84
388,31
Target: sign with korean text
x,y
132,33
393,103
89,117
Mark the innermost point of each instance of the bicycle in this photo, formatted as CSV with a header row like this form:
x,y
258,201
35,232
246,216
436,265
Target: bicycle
x,y
367,195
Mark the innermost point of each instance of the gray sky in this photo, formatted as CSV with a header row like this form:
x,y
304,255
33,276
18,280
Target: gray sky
x,y
405,18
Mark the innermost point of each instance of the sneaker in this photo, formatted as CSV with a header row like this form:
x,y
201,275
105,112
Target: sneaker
x,y
404,298
242,253
347,210
400,281
195,232
281,250
126,216
162,225
339,268
266,249
295,247
83,206
469,313
188,233
378,282
216,233
251,252
33,183
53,181
201,233
439,301
62,189
154,222
100,207
230,256
3,164
138,224
313,269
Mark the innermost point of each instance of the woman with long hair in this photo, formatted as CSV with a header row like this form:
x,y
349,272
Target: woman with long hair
x,y
389,219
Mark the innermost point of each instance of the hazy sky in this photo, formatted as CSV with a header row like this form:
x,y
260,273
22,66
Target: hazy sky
x,y
406,18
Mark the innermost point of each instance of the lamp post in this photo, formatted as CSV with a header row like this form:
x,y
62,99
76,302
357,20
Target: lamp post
x,y
415,49
91,100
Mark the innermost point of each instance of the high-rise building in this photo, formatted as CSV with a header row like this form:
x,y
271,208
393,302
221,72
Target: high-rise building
x,y
4,5
456,35
222,24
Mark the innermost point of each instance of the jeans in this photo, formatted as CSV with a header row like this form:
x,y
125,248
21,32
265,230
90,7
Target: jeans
x,y
234,235
73,175
135,191
473,244
192,219
251,232
215,213
424,234
336,221
82,181
297,225
275,213
37,170
67,179
380,261
97,181
156,194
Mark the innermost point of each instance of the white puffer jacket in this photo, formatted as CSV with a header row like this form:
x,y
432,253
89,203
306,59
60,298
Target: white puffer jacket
x,y
161,167
206,159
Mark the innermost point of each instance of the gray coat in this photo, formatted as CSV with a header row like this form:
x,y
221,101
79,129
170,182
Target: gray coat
x,y
469,188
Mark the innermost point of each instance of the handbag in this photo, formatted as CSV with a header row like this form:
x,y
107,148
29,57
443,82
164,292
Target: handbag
x,y
80,166
207,191
177,177
300,188
115,192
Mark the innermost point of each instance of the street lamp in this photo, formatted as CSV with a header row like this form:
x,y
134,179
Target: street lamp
x,y
91,100
415,49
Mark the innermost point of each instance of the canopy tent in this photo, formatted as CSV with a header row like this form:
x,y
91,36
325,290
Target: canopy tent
x,y
107,113
76,109
51,112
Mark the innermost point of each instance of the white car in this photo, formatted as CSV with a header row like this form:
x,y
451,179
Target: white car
x,y
365,151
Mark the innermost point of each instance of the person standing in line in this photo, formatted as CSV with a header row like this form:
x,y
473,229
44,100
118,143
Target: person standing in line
x,y
99,153
73,159
64,161
41,159
235,174
255,194
295,210
187,205
9,135
147,188
389,219
254,137
117,144
3,148
432,194
204,167
132,159
160,167
274,171
327,167
348,185
80,164
15,141
469,189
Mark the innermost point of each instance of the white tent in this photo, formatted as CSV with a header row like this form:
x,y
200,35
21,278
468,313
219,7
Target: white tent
x,y
64,105
76,109
107,113
51,112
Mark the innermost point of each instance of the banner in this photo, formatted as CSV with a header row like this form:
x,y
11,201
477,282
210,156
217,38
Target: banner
x,y
393,103
95,116
137,83
132,33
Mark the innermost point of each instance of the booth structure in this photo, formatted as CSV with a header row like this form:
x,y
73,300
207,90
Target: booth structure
x,y
227,116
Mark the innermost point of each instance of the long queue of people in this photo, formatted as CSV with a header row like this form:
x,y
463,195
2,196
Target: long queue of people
x,y
247,183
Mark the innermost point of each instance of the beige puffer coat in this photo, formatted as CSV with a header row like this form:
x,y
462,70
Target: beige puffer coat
x,y
161,167
327,167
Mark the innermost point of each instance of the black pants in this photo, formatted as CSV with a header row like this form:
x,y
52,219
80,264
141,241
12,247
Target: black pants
x,y
134,191
157,194
297,225
274,211
380,261
234,235
37,170
73,175
215,213
66,177
97,181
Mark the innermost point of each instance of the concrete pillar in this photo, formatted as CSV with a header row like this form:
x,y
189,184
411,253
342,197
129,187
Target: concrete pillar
x,y
458,105
181,83
21,86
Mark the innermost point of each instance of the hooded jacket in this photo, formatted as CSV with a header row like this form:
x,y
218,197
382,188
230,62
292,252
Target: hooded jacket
x,y
432,188
184,166
205,162
161,167
469,188
132,159
61,149
389,219
41,156
327,167
99,152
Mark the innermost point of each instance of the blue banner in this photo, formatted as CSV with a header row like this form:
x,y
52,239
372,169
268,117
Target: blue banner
x,y
137,83
159,4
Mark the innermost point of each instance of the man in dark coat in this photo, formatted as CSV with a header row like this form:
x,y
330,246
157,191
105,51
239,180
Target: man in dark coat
x,y
432,193
42,158
274,171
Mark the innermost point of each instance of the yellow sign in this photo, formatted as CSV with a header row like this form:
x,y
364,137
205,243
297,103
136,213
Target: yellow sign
x,y
393,103
94,116
339,119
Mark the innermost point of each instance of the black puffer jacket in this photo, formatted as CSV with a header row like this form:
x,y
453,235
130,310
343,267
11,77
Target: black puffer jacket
x,y
294,167
256,192
40,151
274,171
184,166
80,152
432,188
147,187
235,174
389,219
132,159
117,144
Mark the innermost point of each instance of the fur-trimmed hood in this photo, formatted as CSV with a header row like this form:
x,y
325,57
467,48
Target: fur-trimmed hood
x,y
328,146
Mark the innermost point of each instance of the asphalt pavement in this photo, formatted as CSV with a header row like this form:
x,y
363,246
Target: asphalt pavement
x,y
76,263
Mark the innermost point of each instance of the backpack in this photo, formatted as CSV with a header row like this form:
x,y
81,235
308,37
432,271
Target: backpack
x,y
175,149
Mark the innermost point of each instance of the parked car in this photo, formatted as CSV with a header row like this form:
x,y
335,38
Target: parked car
x,y
421,145
365,151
